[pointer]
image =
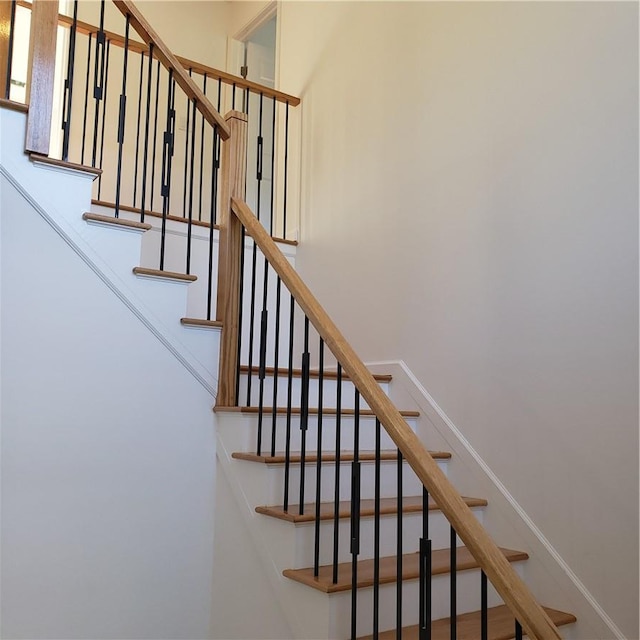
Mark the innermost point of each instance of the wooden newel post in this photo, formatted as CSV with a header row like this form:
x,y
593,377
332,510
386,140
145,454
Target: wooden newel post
x,y
234,162
42,62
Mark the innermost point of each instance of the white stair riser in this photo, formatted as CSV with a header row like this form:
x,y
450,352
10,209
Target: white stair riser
x,y
275,475
439,532
468,599
367,437
329,392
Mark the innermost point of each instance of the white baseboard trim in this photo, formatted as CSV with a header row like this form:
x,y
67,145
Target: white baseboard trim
x,y
448,424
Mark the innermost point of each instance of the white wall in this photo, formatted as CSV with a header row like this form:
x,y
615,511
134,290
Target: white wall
x,y
108,474
470,174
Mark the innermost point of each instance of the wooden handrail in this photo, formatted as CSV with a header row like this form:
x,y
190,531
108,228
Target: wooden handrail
x,y
506,581
140,47
164,54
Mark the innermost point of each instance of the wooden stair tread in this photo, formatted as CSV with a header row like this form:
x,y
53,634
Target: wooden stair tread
x,y
501,626
329,456
14,106
166,275
388,506
118,222
314,373
440,563
327,411
54,162
198,322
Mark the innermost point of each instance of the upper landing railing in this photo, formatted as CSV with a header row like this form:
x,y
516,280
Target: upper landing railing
x,y
97,129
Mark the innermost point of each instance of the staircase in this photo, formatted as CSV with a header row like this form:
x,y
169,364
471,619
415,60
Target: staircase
x,y
358,528
291,532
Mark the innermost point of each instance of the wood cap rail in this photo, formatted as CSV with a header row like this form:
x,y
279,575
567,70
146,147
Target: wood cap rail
x,y
491,560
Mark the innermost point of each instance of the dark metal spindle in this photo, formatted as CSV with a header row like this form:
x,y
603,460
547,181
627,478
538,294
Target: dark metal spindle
x,y
304,410
98,85
186,156
212,216
137,154
376,537
122,115
145,156
276,362
262,365
336,498
155,135
484,618
204,90
355,515
259,142
518,631
286,168
399,533
252,311
167,156
191,176
289,400
68,83
86,97
273,161
453,585
243,236
104,118
316,557
425,571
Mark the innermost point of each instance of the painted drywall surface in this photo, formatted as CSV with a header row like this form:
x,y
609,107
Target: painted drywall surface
x,y
470,170
108,457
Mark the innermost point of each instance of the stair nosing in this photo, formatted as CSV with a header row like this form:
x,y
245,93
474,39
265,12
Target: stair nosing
x,y
198,322
410,504
314,373
312,456
328,411
388,573
117,222
164,275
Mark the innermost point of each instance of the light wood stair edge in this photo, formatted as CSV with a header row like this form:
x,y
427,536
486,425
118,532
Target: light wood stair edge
x,y
164,275
509,585
117,222
196,223
327,456
14,106
201,323
63,164
440,559
388,507
313,373
326,411
501,625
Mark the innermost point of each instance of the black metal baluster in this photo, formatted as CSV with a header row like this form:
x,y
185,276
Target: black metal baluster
x,y
252,310
286,169
518,631
484,618
98,84
212,217
336,498
287,454
425,571
399,534
191,177
304,410
137,154
68,83
86,97
145,156
204,90
155,136
376,537
276,362
186,156
273,162
316,556
167,155
122,115
259,150
12,22
355,515
453,585
233,97
243,236
262,365
104,117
